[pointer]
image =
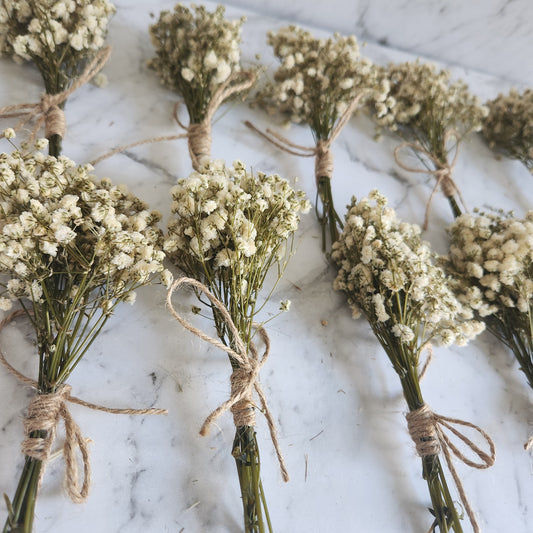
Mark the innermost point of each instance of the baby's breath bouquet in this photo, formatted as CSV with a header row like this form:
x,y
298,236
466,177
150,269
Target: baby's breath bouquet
x,y
431,113
198,56
320,82
389,277
229,229
59,36
509,125
491,256
72,248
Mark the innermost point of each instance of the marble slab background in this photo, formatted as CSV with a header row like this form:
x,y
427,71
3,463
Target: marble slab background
x,y
335,397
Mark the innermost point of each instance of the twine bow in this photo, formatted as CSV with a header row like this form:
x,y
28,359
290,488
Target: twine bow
x,y
321,151
427,429
244,379
198,135
43,415
47,112
443,171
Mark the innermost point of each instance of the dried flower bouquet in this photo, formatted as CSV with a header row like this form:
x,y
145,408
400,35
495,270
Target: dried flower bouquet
x,y
72,248
228,230
389,277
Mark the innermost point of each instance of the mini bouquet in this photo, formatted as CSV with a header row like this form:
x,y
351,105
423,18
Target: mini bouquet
x,y
72,248
198,56
320,82
491,257
388,275
61,38
229,229
508,127
432,114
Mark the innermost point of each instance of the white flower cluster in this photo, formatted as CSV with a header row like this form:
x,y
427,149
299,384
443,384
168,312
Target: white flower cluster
x,y
228,220
317,78
423,102
60,226
509,125
44,28
492,258
389,275
196,51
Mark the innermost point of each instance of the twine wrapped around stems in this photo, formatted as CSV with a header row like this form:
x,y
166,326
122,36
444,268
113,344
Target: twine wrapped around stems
x,y
244,379
198,135
427,429
443,171
47,112
43,415
321,151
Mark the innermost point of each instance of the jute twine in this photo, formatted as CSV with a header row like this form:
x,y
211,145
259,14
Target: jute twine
x,y
321,151
43,415
443,171
244,379
427,429
47,112
198,135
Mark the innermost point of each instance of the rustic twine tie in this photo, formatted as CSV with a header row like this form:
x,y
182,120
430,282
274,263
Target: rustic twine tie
x,y
321,151
43,415
443,171
47,112
244,379
427,429
198,135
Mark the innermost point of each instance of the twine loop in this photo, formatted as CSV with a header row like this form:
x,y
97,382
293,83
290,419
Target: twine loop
x,y
244,379
443,170
48,112
428,431
43,416
321,151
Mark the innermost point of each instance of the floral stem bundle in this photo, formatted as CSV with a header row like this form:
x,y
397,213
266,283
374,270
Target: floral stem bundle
x,y
432,115
388,276
320,82
508,127
229,229
72,248
491,258
198,56
60,38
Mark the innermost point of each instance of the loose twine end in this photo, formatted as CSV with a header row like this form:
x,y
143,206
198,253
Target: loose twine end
x,y
427,429
443,171
244,379
43,415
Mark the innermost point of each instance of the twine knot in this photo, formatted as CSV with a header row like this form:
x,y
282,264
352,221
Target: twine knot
x,y
47,111
427,429
244,379
443,170
199,140
323,160
41,421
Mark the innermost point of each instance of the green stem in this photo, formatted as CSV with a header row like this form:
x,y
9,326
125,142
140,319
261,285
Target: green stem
x,y
456,210
326,214
246,454
54,145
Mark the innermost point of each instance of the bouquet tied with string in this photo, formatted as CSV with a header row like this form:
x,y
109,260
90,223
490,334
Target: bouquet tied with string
x,y
228,230
389,276
491,259
198,56
72,248
320,82
432,114
508,127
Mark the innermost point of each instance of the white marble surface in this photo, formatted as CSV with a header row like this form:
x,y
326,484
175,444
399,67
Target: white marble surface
x,y
335,397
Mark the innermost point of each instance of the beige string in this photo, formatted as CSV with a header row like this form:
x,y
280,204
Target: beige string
x,y
322,150
429,348
529,444
244,379
198,135
47,111
443,171
44,414
427,429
